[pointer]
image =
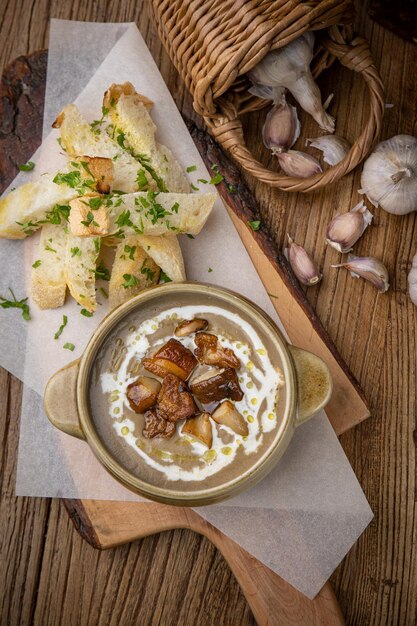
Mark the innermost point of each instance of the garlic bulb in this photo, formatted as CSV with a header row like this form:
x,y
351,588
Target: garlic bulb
x,y
289,67
345,229
298,164
389,176
334,148
282,127
369,268
302,264
412,281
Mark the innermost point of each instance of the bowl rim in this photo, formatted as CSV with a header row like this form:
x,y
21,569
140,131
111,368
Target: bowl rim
x,y
202,496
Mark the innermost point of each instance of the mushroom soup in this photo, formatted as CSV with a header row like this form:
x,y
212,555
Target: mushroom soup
x,y
188,393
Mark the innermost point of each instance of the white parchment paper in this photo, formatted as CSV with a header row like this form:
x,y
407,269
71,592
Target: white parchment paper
x,y
304,517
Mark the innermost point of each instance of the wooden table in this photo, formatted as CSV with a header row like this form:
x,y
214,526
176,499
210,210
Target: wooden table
x,y
48,575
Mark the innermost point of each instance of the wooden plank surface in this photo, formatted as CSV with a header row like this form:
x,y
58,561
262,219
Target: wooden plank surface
x,y
50,570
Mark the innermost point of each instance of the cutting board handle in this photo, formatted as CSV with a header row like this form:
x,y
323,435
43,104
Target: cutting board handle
x,y
60,400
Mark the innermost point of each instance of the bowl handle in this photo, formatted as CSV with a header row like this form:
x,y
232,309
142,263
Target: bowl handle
x,y
60,400
314,383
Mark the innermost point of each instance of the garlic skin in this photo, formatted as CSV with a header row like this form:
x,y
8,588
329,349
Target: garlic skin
x,y
298,164
302,264
289,67
267,93
389,176
334,148
281,128
345,229
368,268
412,281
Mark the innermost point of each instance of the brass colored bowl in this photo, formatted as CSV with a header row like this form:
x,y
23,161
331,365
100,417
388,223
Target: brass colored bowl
x,y
308,387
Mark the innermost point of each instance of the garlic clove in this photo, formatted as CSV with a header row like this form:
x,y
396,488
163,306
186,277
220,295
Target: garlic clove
x,y
389,175
334,148
282,127
412,281
298,164
368,268
302,264
345,229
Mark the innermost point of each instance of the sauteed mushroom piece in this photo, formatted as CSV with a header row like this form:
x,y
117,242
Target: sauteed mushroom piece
x,y
210,352
228,415
157,426
188,327
200,428
175,402
211,388
143,393
171,358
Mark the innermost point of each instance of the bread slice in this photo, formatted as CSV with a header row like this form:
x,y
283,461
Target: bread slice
x,y
129,114
131,266
78,137
166,252
80,266
48,284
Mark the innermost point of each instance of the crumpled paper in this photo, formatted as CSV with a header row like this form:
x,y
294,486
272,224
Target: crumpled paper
x,y
300,520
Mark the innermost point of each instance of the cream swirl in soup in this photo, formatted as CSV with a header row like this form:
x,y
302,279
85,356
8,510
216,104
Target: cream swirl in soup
x,y
184,458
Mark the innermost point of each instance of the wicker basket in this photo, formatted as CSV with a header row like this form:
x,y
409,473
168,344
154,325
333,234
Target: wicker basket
x,y
213,43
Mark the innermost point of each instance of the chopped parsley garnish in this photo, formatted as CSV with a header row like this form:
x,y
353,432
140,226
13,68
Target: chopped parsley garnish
x,y
75,251
72,179
102,272
48,248
175,207
130,250
255,224
210,269
90,220
194,188
96,245
61,328
36,263
58,213
104,292
97,124
190,236
16,304
191,168
202,180
26,167
130,281
69,346
141,180
95,203
217,179
120,138
124,219
147,271
86,313
164,278
29,227
214,167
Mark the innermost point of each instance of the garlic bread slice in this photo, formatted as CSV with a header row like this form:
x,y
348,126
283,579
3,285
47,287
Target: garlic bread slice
x,y
80,266
48,284
78,137
132,272
166,252
131,117
159,214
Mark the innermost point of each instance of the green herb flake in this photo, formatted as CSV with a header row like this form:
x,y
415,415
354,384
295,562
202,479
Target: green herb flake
x,y
75,251
96,245
141,180
217,179
202,180
194,188
130,250
58,213
61,328
26,167
36,264
95,203
175,207
16,304
72,179
102,272
255,224
89,220
190,236
69,346
120,138
191,168
48,248
164,278
124,219
209,270
146,271
86,313
130,281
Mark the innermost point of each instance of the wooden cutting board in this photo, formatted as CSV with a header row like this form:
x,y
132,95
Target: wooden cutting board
x,y
107,524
